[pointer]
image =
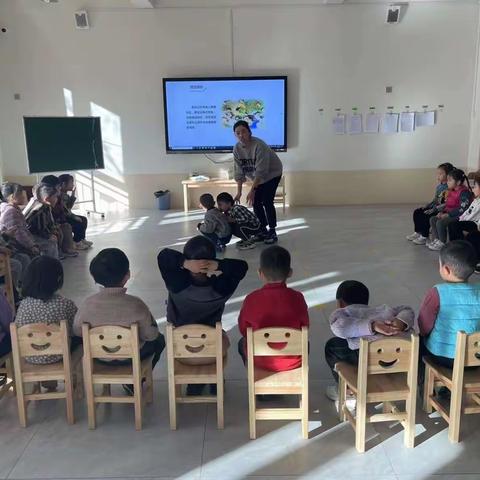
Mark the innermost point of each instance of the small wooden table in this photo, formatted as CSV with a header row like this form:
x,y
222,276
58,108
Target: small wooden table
x,y
280,196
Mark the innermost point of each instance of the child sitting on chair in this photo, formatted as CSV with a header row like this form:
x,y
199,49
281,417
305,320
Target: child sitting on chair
x,y
355,319
273,305
113,306
199,286
215,225
78,223
42,304
39,219
243,222
450,306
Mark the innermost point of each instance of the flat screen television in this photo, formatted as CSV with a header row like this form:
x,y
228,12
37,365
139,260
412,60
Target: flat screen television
x,y
200,112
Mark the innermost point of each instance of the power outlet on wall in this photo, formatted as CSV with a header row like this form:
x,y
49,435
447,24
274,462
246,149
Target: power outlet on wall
x,y
388,89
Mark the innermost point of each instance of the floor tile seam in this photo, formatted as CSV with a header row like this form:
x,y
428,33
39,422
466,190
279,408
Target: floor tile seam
x,y
35,431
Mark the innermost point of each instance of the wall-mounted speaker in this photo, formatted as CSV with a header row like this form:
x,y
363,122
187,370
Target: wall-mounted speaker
x,y
393,14
81,20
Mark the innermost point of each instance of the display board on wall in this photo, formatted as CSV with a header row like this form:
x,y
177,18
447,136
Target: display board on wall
x,y
61,144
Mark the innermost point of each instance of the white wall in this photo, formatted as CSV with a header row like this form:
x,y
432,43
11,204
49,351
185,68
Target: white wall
x,y
335,56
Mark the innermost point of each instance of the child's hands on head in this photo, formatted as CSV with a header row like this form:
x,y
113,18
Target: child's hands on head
x,y
385,328
201,266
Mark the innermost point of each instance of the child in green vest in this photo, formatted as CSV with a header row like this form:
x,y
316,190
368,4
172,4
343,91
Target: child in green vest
x,y
451,306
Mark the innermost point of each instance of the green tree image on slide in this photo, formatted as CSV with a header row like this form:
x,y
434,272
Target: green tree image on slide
x,y
252,111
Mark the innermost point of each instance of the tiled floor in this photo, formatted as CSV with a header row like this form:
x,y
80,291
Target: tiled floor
x,y
328,245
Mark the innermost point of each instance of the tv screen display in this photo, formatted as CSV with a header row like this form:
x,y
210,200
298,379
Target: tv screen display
x,y
200,112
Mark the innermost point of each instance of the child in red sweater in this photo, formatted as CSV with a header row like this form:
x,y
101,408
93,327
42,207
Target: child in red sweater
x,y
273,305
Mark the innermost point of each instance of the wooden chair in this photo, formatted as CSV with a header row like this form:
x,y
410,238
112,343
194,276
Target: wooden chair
x,y
386,372
115,343
6,369
464,384
6,362
6,273
38,339
291,382
194,342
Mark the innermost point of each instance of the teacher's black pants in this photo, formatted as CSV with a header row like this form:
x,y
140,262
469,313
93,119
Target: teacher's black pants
x,y
263,203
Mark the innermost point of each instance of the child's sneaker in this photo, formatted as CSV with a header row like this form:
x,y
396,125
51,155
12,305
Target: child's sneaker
x,y
420,240
87,242
81,246
246,245
413,236
259,237
436,246
271,238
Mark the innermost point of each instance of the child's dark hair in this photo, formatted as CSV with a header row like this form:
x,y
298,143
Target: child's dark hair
x,y
199,248
10,188
42,278
353,292
241,123
65,178
275,263
207,201
44,191
476,178
460,257
459,176
50,180
109,267
225,197
446,167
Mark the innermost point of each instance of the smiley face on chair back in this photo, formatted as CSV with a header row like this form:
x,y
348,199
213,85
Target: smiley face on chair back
x,y
40,339
472,354
277,341
111,342
194,341
389,355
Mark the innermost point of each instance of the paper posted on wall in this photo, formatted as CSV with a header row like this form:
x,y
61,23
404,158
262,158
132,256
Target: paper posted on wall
x,y
340,124
407,122
372,123
390,123
425,119
355,124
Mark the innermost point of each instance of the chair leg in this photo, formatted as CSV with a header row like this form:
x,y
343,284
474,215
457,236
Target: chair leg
x,y
304,407
137,402
22,407
411,405
428,389
172,404
360,421
69,399
455,415
342,394
252,414
220,416
10,374
90,394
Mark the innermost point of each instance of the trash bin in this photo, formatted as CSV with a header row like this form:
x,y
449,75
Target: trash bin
x,y
162,199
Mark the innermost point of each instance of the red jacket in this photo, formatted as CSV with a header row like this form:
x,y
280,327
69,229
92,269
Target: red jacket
x,y
274,305
457,201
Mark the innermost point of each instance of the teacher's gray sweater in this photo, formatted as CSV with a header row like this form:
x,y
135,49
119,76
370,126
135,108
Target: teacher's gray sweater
x,y
257,160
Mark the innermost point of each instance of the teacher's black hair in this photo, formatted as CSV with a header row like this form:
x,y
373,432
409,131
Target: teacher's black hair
x,y
241,123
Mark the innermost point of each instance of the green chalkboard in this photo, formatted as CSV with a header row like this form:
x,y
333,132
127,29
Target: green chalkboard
x,y
61,144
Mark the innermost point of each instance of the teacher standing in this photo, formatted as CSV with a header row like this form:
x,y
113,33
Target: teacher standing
x,y
255,160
